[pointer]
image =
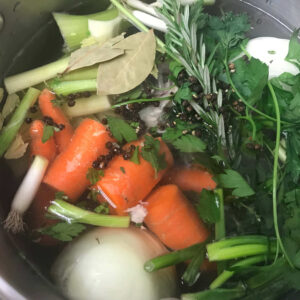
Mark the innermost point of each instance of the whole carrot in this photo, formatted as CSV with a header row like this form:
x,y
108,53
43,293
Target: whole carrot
x,y
48,109
193,178
126,183
173,219
68,171
37,147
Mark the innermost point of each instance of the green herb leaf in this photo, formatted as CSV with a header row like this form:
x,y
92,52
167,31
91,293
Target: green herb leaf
x,y
123,170
58,102
175,68
63,231
250,78
135,156
189,144
102,209
61,196
150,152
294,49
233,180
48,132
208,207
184,93
93,175
121,130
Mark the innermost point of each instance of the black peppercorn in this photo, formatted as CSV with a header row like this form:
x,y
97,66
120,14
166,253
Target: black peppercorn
x,y
28,120
109,145
61,126
33,109
104,121
126,156
96,164
71,102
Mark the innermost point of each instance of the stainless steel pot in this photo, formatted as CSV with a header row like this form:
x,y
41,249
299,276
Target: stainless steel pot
x,y
28,37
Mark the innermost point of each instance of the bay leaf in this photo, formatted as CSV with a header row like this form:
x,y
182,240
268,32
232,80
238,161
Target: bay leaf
x,y
126,72
93,54
17,149
1,94
11,102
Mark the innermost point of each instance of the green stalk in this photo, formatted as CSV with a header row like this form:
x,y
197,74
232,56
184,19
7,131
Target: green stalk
x,y
192,272
33,77
275,177
72,87
217,294
72,213
87,106
10,131
227,274
172,258
239,240
80,74
127,13
140,100
74,28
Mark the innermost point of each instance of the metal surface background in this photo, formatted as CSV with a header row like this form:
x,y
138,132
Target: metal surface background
x,y
28,38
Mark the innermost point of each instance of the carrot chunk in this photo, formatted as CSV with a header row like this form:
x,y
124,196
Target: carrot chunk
x,y
194,178
37,147
68,171
48,109
126,183
173,219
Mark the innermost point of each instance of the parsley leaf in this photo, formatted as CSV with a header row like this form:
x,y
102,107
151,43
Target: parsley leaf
x,y
233,180
189,144
102,209
175,68
93,175
63,231
208,207
250,78
150,152
48,132
61,196
135,156
121,130
183,93
123,170
294,49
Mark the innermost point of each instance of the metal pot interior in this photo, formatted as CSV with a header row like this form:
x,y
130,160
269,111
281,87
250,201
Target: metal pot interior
x,y
28,38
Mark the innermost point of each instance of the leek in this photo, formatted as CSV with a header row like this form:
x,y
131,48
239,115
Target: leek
x,y
64,88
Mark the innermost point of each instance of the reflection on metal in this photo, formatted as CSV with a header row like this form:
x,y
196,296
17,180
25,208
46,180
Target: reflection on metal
x,y
1,22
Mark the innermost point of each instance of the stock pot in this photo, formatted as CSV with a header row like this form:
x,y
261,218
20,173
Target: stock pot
x,y
29,38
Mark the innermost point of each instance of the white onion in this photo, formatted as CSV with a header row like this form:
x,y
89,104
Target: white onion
x,y
272,51
107,264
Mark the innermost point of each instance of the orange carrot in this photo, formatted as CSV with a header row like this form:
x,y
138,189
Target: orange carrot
x,y
68,171
37,147
194,178
125,183
173,219
48,109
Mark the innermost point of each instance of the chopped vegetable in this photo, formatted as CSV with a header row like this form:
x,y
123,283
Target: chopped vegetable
x,y
71,213
194,178
9,132
17,149
123,191
79,269
68,171
25,194
57,117
173,219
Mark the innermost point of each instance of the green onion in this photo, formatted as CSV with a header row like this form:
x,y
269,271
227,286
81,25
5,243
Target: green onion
x,y
10,131
172,258
72,213
33,77
226,274
238,247
192,272
74,28
64,88
87,106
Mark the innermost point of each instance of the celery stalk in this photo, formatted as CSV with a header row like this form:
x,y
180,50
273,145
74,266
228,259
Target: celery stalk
x,y
10,131
33,77
81,74
64,88
87,106
72,213
75,28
